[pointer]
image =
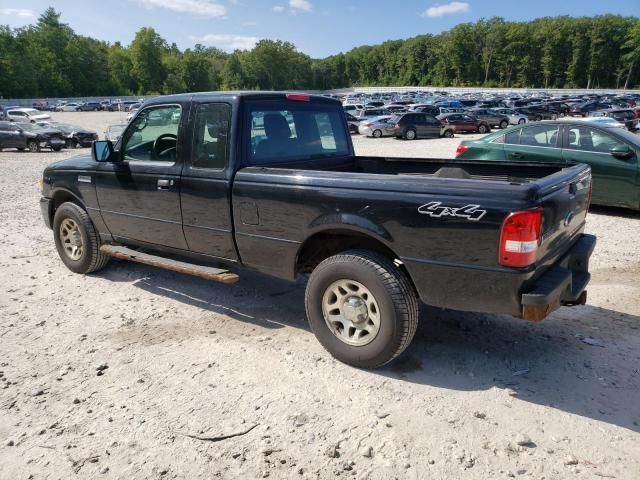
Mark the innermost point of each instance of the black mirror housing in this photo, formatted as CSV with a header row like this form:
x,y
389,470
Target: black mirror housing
x,y
102,151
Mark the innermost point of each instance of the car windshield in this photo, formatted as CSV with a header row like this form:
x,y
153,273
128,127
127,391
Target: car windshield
x,y
295,131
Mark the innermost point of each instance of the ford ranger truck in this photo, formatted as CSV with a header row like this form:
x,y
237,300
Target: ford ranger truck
x,y
209,184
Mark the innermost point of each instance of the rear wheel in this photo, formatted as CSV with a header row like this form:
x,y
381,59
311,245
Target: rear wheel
x,y
77,241
362,308
448,134
56,149
33,146
410,134
377,133
504,124
538,118
482,129
522,121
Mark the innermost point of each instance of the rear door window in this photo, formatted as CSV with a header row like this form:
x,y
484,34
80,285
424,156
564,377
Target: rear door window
x,y
540,136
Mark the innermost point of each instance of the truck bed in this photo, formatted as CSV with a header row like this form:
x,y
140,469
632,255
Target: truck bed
x,y
430,167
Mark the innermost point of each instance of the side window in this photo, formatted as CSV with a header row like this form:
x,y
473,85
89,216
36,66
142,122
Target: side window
x,y
540,136
153,135
211,136
513,137
591,140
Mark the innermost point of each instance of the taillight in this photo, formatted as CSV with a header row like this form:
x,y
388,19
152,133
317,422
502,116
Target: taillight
x,y
520,238
368,125
461,149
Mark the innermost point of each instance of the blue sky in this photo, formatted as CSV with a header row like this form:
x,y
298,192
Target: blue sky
x,y
318,28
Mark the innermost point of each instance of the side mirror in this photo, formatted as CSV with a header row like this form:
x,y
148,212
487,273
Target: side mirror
x,y
621,151
102,151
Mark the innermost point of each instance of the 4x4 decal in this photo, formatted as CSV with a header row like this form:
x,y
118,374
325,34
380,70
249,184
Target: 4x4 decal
x,y
436,210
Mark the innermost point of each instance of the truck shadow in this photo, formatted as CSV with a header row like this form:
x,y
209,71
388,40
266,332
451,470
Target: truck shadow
x,y
614,211
581,360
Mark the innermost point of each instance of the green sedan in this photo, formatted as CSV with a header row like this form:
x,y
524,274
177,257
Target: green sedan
x,y
613,154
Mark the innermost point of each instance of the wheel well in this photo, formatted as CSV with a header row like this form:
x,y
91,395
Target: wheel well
x,y
59,198
325,244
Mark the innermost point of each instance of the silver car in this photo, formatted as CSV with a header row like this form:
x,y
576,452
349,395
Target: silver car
x,y
377,127
114,132
515,117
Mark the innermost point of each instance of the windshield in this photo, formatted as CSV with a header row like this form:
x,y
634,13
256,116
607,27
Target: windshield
x,y
295,131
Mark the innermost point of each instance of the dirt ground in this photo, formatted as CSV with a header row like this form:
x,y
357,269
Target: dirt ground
x,y
137,373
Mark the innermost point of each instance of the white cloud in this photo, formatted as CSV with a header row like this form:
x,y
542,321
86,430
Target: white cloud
x,y
17,12
202,8
226,42
278,8
447,9
303,5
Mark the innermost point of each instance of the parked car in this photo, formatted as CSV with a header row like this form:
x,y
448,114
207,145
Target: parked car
x,y
352,122
76,136
612,153
30,115
582,109
464,123
373,235
108,106
29,136
90,107
126,105
626,116
68,107
133,109
377,127
605,121
114,132
493,118
515,116
538,113
411,126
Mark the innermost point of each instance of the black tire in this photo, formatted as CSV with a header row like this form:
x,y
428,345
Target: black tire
x,y
393,293
33,146
483,129
538,118
21,149
522,121
377,133
448,134
504,124
410,134
56,149
91,259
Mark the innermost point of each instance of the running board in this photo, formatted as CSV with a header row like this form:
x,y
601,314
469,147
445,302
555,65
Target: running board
x,y
208,273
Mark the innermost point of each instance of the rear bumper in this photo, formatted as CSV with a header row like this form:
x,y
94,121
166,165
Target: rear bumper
x,y
524,293
562,284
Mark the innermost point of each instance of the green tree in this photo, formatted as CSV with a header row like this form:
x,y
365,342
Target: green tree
x,y
148,70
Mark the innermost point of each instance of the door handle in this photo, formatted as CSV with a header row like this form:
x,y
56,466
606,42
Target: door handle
x,y
516,155
164,184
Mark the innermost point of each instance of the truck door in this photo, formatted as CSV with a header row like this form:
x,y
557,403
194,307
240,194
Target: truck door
x,y
139,195
206,180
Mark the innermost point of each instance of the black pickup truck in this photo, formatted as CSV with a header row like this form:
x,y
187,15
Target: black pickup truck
x,y
270,181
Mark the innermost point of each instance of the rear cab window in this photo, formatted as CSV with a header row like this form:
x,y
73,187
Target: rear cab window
x,y
284,131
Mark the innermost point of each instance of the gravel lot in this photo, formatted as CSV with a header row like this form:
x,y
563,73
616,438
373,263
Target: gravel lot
x,y
115,374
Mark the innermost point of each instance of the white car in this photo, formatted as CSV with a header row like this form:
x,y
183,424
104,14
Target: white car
x,y
68,107
27,115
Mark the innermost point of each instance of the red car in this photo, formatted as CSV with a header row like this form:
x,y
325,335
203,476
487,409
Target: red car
x,y
465,123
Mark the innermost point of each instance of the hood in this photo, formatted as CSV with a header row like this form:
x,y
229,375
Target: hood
x,y
81,162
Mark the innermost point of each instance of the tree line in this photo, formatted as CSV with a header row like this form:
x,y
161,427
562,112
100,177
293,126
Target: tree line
x,y
48,59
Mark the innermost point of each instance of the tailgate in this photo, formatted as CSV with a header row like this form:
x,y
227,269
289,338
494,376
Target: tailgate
x,y
564,198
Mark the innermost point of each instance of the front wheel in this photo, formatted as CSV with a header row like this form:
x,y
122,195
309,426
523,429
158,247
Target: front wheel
x,y
482,129
504,124
522,121
77,241
33,146
56,149
377,133
410,134
448,134
362,308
